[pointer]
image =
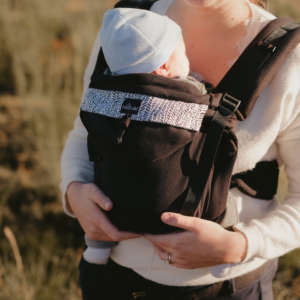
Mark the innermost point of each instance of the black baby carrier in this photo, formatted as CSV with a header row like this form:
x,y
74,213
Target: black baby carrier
x,y
159,144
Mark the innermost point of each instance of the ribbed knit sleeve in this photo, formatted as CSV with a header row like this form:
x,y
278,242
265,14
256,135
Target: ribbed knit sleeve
x,y
279,231
75,164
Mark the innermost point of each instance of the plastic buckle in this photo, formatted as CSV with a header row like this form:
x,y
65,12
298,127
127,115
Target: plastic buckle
x,y
228,105
290,26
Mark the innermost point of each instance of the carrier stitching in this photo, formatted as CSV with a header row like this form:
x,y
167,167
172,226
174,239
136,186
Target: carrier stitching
x,y
152,109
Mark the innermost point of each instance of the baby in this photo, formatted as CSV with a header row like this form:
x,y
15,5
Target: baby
x,y
139,41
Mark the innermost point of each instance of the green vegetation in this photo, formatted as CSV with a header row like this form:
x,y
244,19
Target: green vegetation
x,y
44,48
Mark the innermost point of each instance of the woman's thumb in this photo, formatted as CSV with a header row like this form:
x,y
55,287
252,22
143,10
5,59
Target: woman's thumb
x,y
180,221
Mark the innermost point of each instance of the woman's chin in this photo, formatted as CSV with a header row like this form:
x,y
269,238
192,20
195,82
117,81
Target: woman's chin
x,y
199,3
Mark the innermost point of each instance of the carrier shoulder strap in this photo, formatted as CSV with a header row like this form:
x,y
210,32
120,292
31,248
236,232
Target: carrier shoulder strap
x,y
259,63
142,4
241,87
101,64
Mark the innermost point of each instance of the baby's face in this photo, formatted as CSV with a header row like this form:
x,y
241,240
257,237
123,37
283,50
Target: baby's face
x,y
178,62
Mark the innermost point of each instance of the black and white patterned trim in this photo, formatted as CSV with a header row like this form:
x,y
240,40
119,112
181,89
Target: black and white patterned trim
x,y
151,109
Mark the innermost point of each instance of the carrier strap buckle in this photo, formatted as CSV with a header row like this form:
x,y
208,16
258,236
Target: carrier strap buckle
x,y
228,105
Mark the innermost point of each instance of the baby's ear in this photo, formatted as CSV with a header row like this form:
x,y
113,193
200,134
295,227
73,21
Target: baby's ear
x,y
162,71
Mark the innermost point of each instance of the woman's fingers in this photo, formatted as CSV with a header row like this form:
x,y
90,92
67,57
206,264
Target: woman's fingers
x,y
170,258
95,194
202,244
111,231
87,201
180,221
88,215
166,242
161,253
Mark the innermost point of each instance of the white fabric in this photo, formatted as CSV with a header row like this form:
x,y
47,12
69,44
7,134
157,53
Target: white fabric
x,y
150,109
271,132
97,256
137,41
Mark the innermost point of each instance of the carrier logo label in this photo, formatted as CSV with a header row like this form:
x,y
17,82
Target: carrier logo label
x,y
131,106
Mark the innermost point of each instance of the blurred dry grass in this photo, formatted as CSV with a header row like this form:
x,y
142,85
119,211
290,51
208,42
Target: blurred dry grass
x,y
290,8
44,48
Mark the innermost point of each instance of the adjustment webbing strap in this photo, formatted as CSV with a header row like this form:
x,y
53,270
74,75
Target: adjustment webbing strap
x,y
259,63
194,203
228,106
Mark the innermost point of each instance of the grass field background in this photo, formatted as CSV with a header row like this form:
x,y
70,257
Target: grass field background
x,y
44,48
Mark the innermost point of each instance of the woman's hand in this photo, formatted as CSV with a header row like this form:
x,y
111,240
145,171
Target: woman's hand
x,y
202,244
87,201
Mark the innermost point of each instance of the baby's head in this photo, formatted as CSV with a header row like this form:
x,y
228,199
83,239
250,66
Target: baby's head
x,y
140,41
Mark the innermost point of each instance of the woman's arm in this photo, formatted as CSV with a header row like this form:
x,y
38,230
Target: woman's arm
x,y
75,163
279,232
88,204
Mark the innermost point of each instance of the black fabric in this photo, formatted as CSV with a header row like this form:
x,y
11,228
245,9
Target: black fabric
x,y
261,182
100,67
148,168
141,4
259,63
213,166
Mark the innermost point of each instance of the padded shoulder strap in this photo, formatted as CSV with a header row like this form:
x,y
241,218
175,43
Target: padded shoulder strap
x,y
259,63
101,64
142,4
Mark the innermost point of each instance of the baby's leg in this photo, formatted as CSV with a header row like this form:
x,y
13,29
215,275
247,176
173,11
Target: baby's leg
x,y
97,252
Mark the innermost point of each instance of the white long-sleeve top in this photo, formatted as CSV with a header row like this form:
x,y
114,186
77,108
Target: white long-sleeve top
x,y
271,132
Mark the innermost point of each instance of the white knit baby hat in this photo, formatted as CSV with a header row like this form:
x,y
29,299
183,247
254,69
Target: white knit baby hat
x,y
136,40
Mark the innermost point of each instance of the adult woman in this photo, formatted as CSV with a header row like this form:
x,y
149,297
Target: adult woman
x,y
215,32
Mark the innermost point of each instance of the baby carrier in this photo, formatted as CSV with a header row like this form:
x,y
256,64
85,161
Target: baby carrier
x,y
159,144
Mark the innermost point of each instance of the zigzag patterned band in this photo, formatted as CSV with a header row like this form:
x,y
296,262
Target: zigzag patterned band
x,y
144,108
